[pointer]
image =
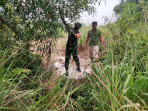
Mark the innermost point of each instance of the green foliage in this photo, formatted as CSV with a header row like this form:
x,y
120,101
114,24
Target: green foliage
x,y
20,59
20,67
120,82
31,20
29,17
129,18
118,9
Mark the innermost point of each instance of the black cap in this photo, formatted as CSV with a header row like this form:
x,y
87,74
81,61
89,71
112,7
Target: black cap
x,y
94,23
78,24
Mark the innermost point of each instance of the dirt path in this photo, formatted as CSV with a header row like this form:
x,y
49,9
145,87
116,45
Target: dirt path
x,y
58,59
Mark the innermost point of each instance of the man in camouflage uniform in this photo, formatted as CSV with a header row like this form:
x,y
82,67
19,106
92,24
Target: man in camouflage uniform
x,y
94,38
71,47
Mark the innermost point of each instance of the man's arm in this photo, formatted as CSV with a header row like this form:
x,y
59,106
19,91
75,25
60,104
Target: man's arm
x,y
87,39
69,29
101,40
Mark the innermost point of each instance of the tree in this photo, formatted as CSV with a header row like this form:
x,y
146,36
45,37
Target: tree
x,y
43,14
129,18
130,12
26,20
119,8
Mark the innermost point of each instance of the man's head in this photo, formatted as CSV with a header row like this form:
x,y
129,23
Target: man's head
x,y
94,25
77,26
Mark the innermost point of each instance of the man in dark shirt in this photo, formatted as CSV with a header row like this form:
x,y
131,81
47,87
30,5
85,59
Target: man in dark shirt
x,y
71,47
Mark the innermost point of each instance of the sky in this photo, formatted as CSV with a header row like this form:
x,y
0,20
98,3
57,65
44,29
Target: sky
x,y
103,10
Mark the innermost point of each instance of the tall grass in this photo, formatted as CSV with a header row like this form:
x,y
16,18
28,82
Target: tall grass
x,y
121,81
42,91
118,86
118,82
15,93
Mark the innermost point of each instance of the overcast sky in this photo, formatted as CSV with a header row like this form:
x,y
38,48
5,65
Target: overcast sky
x,y
103,10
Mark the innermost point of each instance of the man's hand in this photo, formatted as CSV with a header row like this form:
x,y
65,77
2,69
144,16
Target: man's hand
x,y
78,35
101,40
86,41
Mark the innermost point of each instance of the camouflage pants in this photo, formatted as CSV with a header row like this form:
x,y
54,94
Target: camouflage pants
x,y
73,51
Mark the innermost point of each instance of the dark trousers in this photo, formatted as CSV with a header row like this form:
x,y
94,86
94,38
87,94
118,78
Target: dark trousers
x,y
73,51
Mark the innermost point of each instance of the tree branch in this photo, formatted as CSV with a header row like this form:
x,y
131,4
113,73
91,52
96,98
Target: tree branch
x,y
6,23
